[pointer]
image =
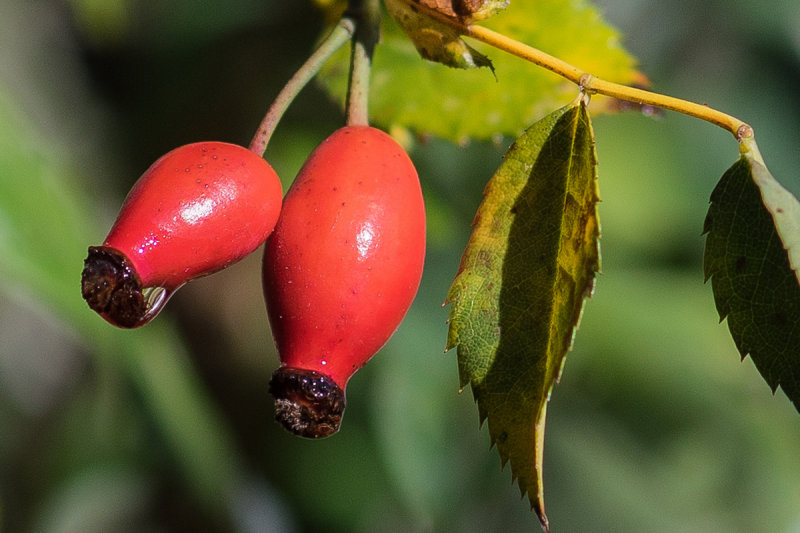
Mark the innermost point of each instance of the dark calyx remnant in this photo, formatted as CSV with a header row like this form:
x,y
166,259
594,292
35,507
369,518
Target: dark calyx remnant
x,y
307,403
112,288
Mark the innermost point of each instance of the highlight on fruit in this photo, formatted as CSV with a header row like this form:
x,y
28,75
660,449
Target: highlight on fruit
x,y
196,210
340,271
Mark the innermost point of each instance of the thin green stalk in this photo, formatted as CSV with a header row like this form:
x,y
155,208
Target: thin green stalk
x,y
368,14
342,33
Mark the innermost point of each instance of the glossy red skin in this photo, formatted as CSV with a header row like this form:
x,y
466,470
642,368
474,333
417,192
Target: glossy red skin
x,y
196,210
346,257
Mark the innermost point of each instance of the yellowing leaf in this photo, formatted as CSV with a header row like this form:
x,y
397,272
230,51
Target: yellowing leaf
x,y
459,105
524,276
435,40
752,256
466,9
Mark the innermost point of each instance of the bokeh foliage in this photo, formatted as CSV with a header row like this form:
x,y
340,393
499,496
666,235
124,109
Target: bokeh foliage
x,y
170,427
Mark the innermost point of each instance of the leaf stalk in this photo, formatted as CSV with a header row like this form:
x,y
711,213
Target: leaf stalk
x,y
368,15
340,35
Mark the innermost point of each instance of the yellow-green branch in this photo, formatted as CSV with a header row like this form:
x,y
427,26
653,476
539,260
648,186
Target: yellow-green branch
x,y
586,81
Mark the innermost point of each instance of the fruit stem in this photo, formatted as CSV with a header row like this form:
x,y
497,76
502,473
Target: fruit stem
x,y
341,33
368,15
587,82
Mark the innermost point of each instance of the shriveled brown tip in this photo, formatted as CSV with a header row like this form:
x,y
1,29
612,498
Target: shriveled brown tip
x,y
112,288
307,403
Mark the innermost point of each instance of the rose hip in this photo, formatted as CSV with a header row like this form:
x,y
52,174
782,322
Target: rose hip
x,y
196,210
340,271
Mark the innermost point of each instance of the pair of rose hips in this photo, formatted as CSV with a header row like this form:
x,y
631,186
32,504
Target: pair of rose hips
x,y
340,268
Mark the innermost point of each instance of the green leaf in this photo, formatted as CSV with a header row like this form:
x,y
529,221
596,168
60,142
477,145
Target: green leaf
x,y
459,105
524,276
752,256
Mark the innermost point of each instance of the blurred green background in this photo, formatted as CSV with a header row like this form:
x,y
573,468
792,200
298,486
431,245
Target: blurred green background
x,y
655,427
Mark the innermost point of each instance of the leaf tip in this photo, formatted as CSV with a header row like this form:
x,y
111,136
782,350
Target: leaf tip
x,y
545,523
537,506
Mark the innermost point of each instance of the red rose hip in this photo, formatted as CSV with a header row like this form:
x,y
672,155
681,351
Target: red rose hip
x,y
340,271
196,210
